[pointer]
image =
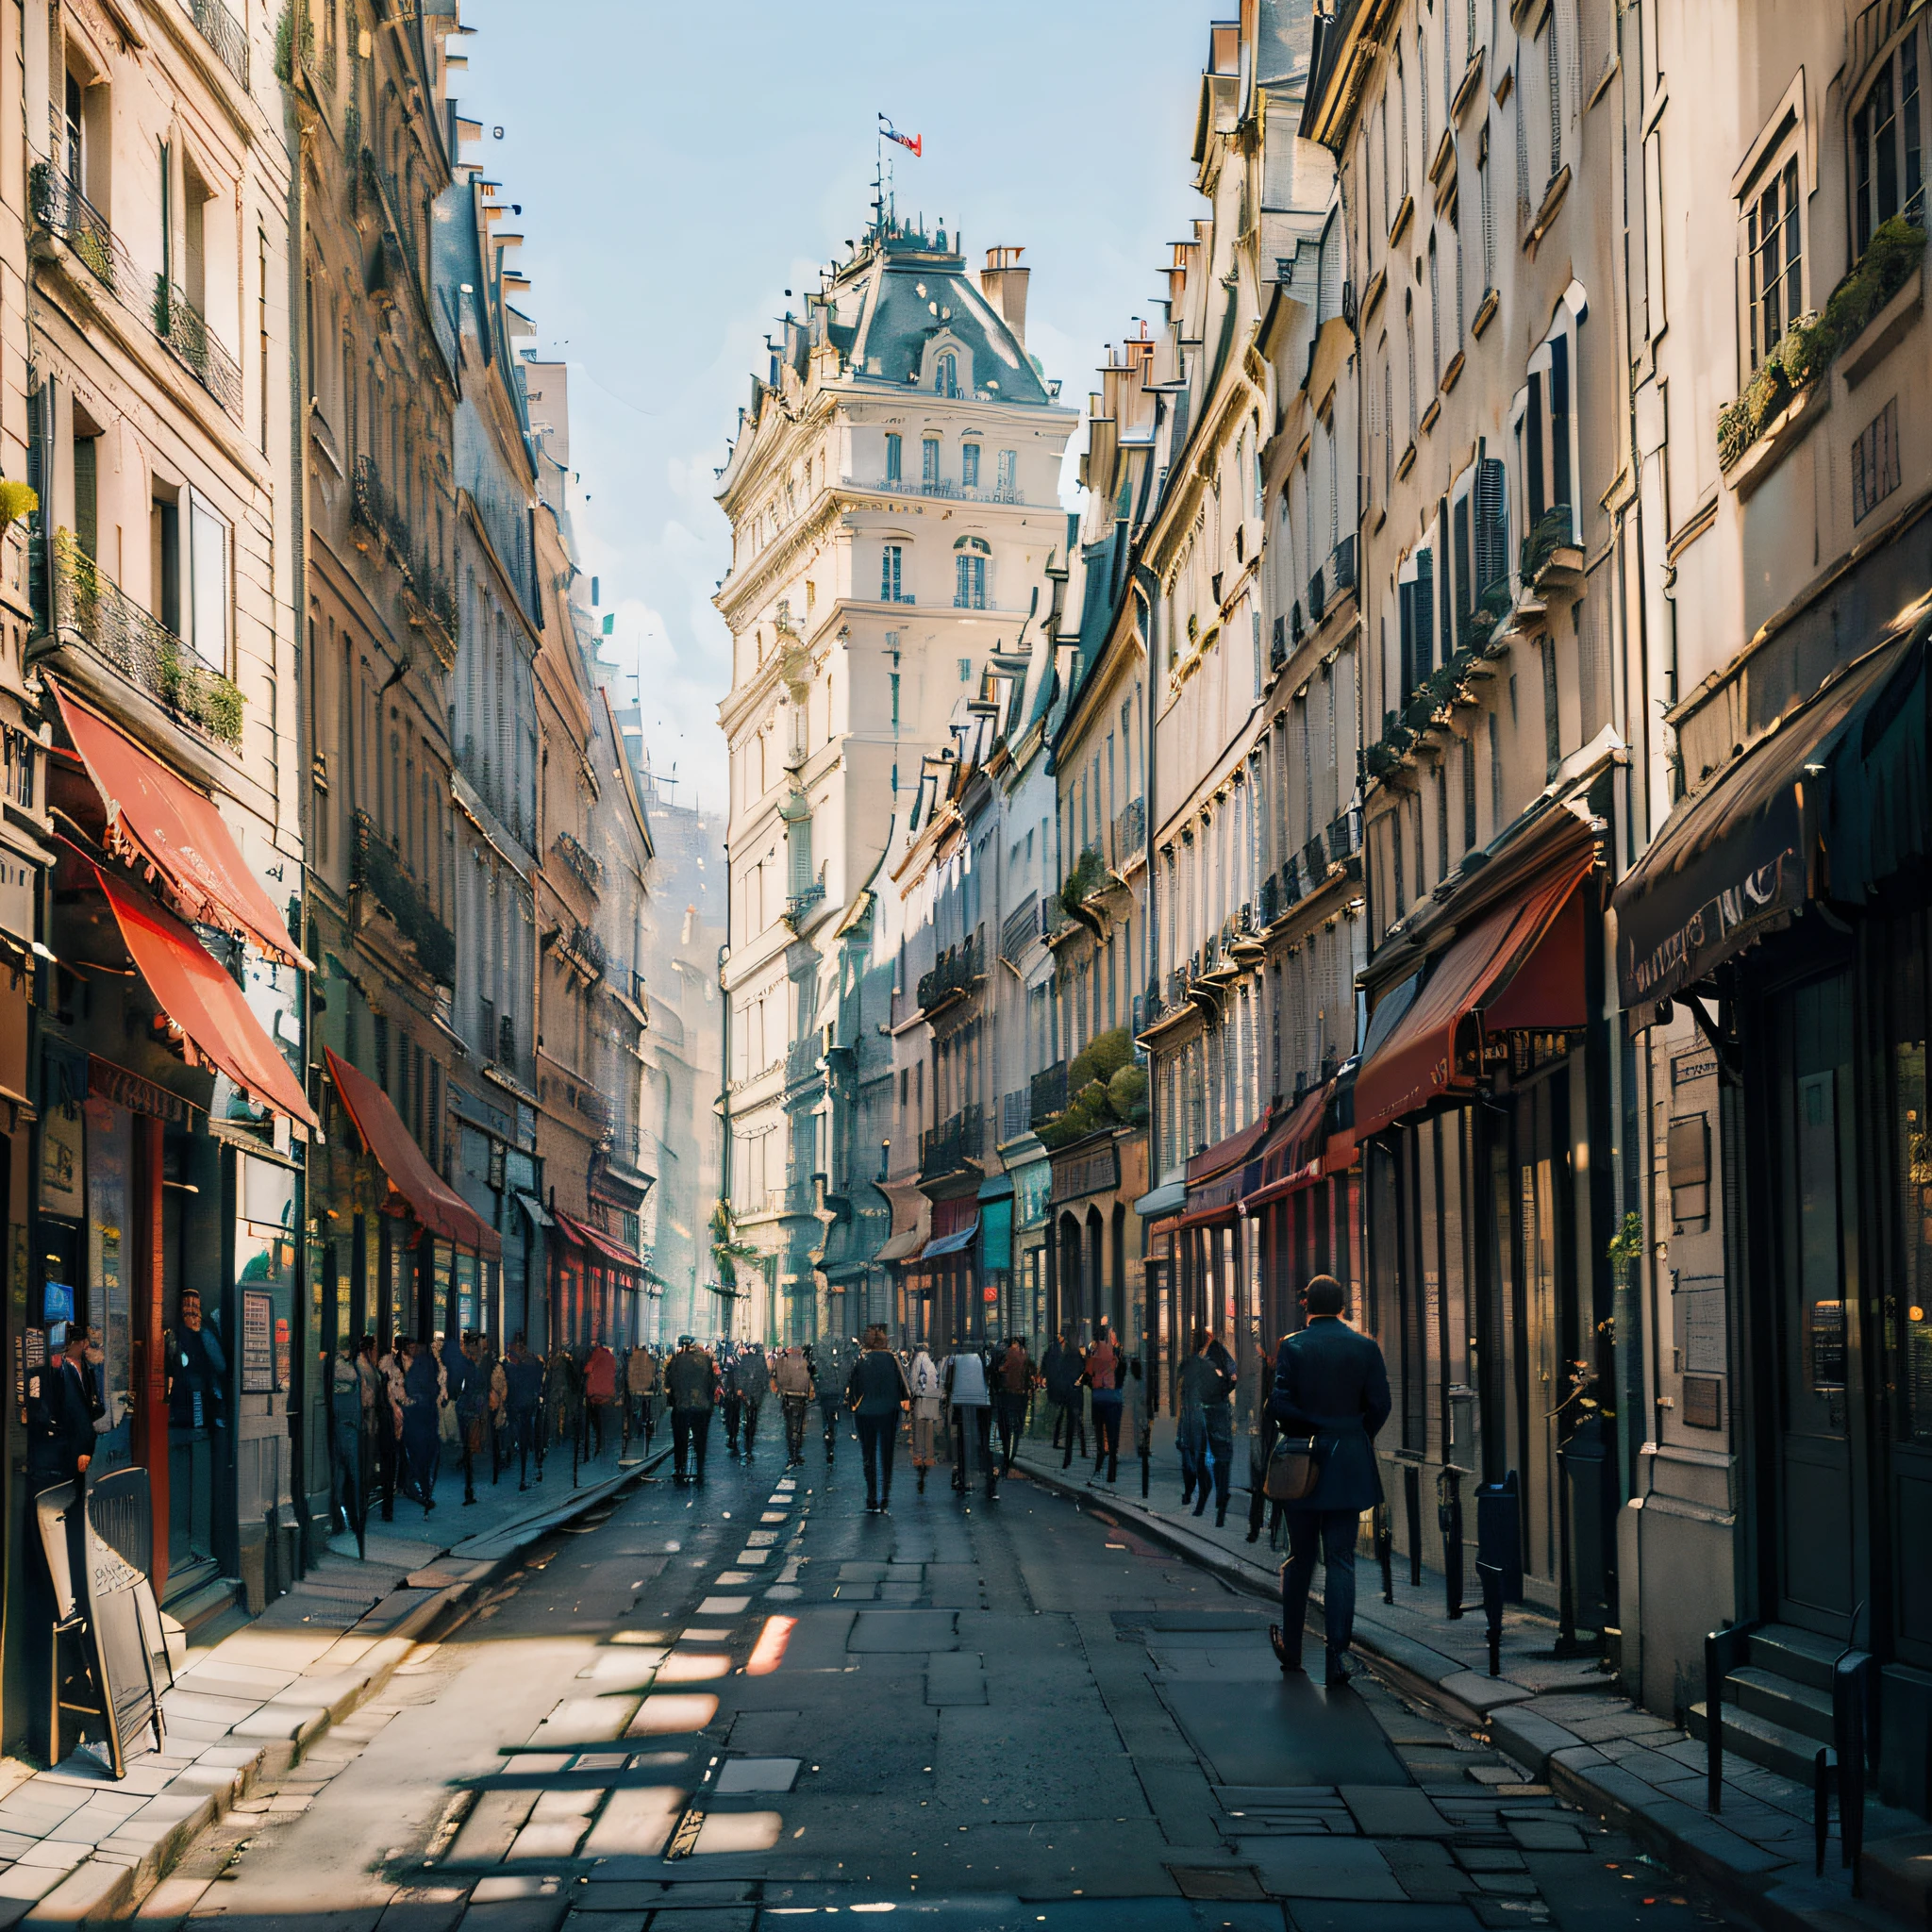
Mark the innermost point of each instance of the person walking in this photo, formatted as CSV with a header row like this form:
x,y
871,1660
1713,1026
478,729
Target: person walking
x,y
463,1382
523,1376
830,1379
643,1377
876,1391
1331,1384
600,1387
422,1424
690,1380
753,1380
793,1379
1103,1375
928,1410
970,1402
730,1396
1207,1382
345,1442
1060,1371
1013,1385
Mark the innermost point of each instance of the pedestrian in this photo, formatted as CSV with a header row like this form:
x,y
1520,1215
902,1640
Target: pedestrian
x,y
600,1387
470,1390
369,1386
753,1379
1013,1385
501,1444
643,1379
422,1424
792,1378
830,1379
562,1385
345,1442
1062,1367
690,1380
1207,1382
395,1400
1331,1384
970,1402
198,1370
522,1375
928,1410
731,1397
876,1391
1260,1446
1101,1375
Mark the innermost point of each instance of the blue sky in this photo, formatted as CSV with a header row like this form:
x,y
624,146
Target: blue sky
x,y
679,167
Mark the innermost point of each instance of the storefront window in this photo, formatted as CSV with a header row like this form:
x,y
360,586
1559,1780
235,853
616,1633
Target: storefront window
x,y
109,1315
466,1294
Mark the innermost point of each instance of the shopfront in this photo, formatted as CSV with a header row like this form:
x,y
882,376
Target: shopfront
x,y
1485,1277
1219,1256
1303,1191
1785,908
1094,1252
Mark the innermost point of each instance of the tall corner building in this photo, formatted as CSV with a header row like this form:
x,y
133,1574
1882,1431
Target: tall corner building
x,y
893,496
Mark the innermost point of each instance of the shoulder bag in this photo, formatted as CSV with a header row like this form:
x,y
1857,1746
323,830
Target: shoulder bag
x,y
1294,1467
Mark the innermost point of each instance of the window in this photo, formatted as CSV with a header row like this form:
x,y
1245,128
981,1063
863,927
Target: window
x,y
1435,316
1007,473
969,564
929,463
969,465
1874,462
895,451
1775,259
892,574
946,375
1887,146
1556,83
1409,329
1482,188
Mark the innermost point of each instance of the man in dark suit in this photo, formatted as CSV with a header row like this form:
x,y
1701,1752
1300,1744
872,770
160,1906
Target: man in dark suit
x,y
1332,1384
60,1440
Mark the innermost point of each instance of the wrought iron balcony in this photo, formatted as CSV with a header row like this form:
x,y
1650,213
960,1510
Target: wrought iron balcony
x,y
959,970
582,862
185,333
64,210
1129,831
801,1061
1047,1093
373,508
947,1148
224,33
800,905
379,871
959,493
88,604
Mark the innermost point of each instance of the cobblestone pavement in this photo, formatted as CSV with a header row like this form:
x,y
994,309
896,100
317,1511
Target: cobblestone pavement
x,y
750,1703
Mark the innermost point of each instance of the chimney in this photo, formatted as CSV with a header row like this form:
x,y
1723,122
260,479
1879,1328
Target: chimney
x,y
1003,282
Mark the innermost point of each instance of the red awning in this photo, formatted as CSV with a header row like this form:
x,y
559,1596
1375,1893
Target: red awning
x,y
162,822
1520,966
204,1002
435,1204
599,1244
1231,1152
1295,1155
1217,1173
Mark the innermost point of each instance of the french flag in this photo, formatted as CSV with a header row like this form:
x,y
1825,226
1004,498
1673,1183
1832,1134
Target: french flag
x,y
914,142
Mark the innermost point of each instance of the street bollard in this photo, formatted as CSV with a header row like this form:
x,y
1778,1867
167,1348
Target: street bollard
x,y
1144,1442
1412,1518
1489,1575
1449,1520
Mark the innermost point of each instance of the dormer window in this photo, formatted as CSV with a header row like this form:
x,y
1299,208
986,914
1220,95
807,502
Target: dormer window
x,y
945,379
1888,144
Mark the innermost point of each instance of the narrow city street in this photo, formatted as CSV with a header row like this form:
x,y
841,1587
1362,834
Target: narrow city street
x,y
749,1701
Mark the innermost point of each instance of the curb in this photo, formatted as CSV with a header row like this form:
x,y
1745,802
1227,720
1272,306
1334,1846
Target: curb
x,y
110,1884
1778,1895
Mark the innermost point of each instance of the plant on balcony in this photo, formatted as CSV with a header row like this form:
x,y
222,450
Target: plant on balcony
x,y
17,500
1551,532
1491,610
1107,1089
1087,877
284,44
1812,343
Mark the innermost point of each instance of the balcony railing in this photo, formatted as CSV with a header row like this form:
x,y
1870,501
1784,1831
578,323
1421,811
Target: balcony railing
x,y
960,493
959,970
800,905
374,508
801,1061
88,603
1130,832
583,947
945,1149
1047,1093
224,33
581,861
186,333
380,872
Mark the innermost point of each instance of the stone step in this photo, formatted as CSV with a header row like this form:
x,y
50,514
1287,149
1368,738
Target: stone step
x,y
1761,1740
1802,1656
1796,1707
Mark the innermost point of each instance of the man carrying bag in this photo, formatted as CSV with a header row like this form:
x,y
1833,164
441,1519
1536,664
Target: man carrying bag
x,y
1331,1396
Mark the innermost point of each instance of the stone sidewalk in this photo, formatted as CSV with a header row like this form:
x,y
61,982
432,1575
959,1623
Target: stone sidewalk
x,y
78,1846
1562,1720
